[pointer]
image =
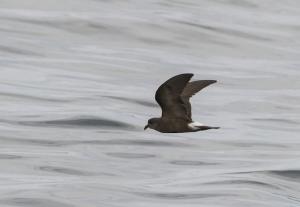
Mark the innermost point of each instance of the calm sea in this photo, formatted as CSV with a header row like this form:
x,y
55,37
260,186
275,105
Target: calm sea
x,y
77,84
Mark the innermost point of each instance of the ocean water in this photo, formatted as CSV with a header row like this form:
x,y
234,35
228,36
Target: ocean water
x,y
77,84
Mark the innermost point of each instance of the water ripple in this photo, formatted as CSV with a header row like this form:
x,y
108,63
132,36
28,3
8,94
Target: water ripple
x,y
294,174
243,182
81,122
182,196
64,170
17,51
35,98
190,162
125,142
226,31
135,101
33,202
130,155
9,157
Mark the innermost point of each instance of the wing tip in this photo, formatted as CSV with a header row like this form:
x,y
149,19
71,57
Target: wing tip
x,y
186,74
210,81
183,76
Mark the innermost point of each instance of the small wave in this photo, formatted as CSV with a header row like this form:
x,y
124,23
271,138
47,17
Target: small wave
x,y
17,51
135,101
225,31
33,202
277,120
289,174
57,143
9,157
35,98
73,25
80,122
242,182
182,196
135,142
190,163
64,170
129,155
294,174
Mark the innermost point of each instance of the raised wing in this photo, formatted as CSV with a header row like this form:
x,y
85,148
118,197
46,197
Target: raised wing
x,y
191,89
169,99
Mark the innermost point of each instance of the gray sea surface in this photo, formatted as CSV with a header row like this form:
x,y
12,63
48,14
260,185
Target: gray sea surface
x,y
77,85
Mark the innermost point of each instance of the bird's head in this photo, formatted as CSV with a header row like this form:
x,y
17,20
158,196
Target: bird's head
x,y
152,123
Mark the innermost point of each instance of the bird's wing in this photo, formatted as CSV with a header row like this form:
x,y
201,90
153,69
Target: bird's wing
x,y
168,96
191,89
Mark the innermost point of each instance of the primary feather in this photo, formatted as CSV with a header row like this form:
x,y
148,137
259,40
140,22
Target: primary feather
x,y
191,89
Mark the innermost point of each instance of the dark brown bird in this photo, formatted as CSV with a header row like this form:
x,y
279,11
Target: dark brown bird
x,y
173,96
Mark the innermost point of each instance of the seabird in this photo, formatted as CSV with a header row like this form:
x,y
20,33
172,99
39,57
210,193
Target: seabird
x,y
173,96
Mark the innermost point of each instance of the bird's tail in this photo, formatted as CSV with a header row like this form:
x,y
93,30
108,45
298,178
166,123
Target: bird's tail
x,y
201,128
196,126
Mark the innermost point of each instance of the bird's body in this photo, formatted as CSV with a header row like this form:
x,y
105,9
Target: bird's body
x,y
173,125
173,97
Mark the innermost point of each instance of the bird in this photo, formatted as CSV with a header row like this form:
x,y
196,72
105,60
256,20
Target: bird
x,y
173,96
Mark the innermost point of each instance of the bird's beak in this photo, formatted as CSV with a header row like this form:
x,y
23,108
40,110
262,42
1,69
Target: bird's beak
x,y
146,127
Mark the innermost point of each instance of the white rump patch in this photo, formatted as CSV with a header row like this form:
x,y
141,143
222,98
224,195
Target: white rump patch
x,y
194,125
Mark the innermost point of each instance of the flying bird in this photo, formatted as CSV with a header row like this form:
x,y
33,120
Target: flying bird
x,y
173,96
